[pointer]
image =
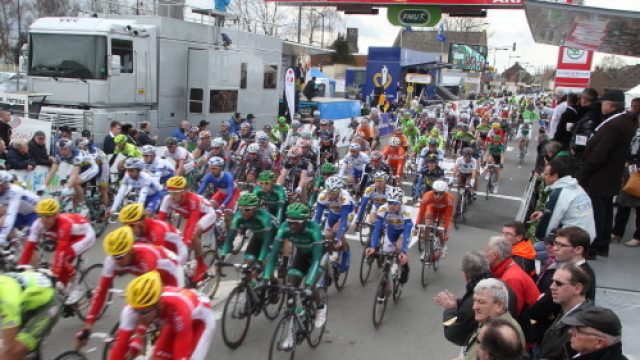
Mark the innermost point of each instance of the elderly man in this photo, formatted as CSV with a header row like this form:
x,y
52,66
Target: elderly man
x,y
596,334
568,289
18,156
499,339
490,301
38,149
180,132
604,159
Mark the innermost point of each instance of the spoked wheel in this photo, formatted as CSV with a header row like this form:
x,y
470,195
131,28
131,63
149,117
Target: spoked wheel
x,y
71,355
89,281
211,282
340,272
272,309
380,302
365,267
236,318
426,266
436,250
397,288
489,188
365,234
279,349
314,335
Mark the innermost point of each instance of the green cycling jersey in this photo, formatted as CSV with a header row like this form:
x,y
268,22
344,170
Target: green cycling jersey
x,y
496,150
129,150
260,224
274,200
464,136
308,241
412,135
21,293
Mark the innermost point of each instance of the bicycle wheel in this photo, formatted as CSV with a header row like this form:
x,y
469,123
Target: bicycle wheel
x,y
272,309
287,326
397,287
314,335
365,234
89,281
380,302
70,355
109,341
436,247
489,188
421,240
210,284
365,267
341,273
236,317
456,213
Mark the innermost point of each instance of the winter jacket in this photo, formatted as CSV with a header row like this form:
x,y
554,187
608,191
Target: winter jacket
x,y
613,352
564,131
39,153
17,161
544,312
567,205
524,255
556,342
520,282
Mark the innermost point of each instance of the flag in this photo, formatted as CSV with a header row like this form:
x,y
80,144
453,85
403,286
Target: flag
x,y
441,37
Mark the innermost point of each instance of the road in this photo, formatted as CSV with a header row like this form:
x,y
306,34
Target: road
x,y
411,329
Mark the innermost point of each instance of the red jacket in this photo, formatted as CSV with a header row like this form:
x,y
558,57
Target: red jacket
x,y
519,281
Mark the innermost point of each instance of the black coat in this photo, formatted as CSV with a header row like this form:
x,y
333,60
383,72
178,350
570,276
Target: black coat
x,y
556,342
544,311
613,352
17,161
564,131
465,324
108,145
5,132
605,156
589,116
39,153
145,139
591,291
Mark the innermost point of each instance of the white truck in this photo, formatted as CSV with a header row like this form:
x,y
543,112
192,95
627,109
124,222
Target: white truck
x,y
149,68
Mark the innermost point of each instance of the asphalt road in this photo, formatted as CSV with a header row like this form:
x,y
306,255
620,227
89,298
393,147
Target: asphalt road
x,y
412,328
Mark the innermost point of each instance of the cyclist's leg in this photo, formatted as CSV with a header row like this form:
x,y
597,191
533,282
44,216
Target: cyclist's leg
x,y
203,331
253,249
36,326
164,345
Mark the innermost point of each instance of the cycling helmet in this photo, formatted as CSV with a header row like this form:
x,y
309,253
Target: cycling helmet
x,y
248,199
463,126
145,290
295,151
432,158
253,148
354,146
467,151
394,141
131,213
267,176
68,144
217,142
328,168
5,177
334,184
134,163
423,140
84,144
204,134
47,207
440,186
324,122
119,241
119,139
148,150
216,161
376,155
170,141
261,136
304,143
410,124
496,138
282,120
245,125
298,211
380,175
176,183
495,125
194,129
395,194
295,124
434,141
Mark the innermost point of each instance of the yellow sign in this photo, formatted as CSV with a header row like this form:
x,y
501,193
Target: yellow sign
x,y
410,89
377,79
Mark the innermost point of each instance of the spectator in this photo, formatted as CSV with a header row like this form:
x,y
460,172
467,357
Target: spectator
x,y
561,107
18,156
38,149
180,132
567,203
544,312
5,126
567,289
251,119
3,155
499,340
134,136
588,118
144,135
571,246
604,158
490,301
310,89
522,251
541,151
567,121
459,318
202,126
234,124
108,145
596,334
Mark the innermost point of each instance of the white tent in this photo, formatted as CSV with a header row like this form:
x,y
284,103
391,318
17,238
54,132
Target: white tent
x,y
631,94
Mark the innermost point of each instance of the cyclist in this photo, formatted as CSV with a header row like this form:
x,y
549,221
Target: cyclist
x,y
365,130
159,168
427,177
246,136
149,189
524,136
282,127
356,162
411,132
275,137
190,143
258,221
436,134
124,147
495,156
153,231
376,163
432,149
73,235
394,155
226,191
267,150
328,149
465,169
218,149
271,195
101,159
183,158
365,146
292,136
309,153
203,149
296,168
19,204
404,142
253,163
377,193
416,150
327,170
29,309
185,317
340,205
395,218
496,130
463,136
437,205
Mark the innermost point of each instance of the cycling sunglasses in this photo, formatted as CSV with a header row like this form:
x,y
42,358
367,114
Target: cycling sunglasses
x,y
143,312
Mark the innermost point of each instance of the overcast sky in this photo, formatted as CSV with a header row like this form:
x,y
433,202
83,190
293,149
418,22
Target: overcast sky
x,y
507,26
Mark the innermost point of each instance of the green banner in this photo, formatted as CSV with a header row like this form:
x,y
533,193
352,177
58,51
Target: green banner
x,y
407,15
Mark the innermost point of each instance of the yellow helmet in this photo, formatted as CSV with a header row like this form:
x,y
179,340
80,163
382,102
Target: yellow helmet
x,y
495,125
145,290
176,183
119,241
48,207
131,213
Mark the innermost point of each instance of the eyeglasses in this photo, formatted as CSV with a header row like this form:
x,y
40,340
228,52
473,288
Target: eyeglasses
x,y
561,245
246,209
263,183
559,283
146,311
291,221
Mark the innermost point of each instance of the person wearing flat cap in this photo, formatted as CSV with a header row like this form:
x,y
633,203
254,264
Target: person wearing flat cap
x,y
605,155
595,334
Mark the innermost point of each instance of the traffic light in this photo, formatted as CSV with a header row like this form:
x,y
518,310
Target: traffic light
x,y
514,46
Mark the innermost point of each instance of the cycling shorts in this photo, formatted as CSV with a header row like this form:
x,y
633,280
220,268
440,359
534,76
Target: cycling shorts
x,y
253,248
37,323
152,203
463,179
435,213
391,237
333,219
300,264
88,174
496,159
219,197
103,173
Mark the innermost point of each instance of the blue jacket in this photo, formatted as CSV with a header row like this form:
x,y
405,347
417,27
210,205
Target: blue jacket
x,y
178,134
234,127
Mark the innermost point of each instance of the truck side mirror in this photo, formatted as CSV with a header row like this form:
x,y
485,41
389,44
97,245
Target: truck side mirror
x,y
115,65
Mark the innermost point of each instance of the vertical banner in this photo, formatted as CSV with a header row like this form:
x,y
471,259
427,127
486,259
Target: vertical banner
x,y
573,69
289,91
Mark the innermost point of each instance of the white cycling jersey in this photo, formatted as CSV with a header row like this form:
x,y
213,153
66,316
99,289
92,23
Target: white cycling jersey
x,y
466,167
146,184
355,163
17,201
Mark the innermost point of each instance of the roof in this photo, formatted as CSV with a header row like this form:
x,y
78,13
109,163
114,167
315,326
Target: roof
x,y
426,40
622,79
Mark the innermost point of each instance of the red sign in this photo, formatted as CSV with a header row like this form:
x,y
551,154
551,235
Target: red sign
x,y
573,69
483,3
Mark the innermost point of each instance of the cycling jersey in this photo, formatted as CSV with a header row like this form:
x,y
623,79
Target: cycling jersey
x,y
339,210
524,132
87,164
20,204
73,235
356,163
369,170
260,226
412,135
224,185
437,208
466,167
429,177
394,224
395,158
160,169
329,153
186,322
103,165
194,208
269,151
181,154
378,198
162,233
366,132
307,243
144,258
496,150
227,156
149,191
129,150
425,152
274,200
255,164
464,136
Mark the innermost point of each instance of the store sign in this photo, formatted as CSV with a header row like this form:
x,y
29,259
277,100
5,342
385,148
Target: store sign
x,y
573,74
573,69
414,15
418,78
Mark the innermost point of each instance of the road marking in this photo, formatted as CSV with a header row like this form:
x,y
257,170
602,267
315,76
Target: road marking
x,y
500,196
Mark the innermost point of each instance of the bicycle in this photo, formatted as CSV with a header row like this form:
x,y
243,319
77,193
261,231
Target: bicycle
x,y
430,255
331,266
523,151
491,183
211,282
390,279
366,263
97,209
247,300
298,321
150,337
462,207
10,254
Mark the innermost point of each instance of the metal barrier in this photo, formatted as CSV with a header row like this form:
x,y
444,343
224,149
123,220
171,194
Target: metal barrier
x,y
525,202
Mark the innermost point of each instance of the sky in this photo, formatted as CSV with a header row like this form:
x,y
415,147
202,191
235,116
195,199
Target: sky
x,y
506,26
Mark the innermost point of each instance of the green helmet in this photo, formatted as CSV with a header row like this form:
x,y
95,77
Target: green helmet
x,y
298,211
423,139
267,176
410,124
328,168
248,199
282,119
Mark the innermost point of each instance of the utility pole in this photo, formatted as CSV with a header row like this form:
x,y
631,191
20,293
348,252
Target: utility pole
x,y
299,22
322,35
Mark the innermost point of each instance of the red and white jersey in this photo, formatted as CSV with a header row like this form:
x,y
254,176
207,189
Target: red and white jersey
x,y
162,233
147,257
191,203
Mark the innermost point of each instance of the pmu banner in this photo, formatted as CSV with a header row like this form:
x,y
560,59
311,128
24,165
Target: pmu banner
x,y
573,69
290,91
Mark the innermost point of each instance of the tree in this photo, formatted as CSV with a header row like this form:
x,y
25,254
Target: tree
x,y
611,63
43,8
461,24
342,53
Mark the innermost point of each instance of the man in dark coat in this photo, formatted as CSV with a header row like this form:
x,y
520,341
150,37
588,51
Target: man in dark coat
x,y
38,149
144,136
567,121
604,159
108,145
589,116
18,156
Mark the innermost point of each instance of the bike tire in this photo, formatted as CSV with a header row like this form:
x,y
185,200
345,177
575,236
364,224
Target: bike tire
x,y
209,286
279,335
70,355
89,281
379,303
340,277
489,188
365,235
397,287
271,311
236,309
365,267
314,335
457,214
421,240
436,258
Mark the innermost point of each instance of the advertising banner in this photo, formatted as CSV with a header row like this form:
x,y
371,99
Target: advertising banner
x,y
290,91
573,69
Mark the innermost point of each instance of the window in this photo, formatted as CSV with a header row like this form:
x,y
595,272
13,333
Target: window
x,y
270,76
68,56
124,48
223,101
243,76
195,101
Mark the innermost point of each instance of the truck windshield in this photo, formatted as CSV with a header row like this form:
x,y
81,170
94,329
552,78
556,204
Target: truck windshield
x,y
68,56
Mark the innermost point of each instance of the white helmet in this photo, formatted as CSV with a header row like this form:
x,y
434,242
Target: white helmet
x,y
262,136
133,163
394,141
5,177
395,194
354,146
440,186
217,142
148,150
216,161
334,184
253,148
